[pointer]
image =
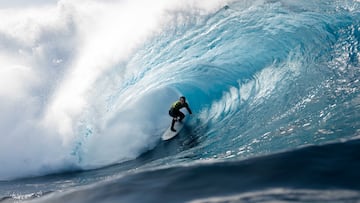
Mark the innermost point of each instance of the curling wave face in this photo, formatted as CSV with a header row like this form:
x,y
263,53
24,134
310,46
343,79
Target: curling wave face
x,y
90,91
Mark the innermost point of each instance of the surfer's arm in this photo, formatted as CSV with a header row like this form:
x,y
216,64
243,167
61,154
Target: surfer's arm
x,y
188,109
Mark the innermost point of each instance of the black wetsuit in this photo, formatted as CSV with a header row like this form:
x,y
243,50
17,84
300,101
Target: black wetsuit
x,y
175,111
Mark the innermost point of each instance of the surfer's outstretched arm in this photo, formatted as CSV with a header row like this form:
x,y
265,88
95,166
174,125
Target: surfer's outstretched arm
x,y
189,110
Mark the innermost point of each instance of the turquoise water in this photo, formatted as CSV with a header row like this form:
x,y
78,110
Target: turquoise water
x,y
274,87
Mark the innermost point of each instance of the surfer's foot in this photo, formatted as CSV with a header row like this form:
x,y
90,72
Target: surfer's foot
x,y
172,129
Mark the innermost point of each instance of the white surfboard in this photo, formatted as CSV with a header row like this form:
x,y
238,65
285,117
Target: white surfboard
x,y
168,134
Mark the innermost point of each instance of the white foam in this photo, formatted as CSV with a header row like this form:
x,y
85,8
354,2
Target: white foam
x,y
51,58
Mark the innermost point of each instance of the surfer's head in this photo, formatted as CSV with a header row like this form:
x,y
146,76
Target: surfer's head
x,y
182,99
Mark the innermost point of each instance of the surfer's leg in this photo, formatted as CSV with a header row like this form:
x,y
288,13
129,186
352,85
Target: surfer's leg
x,y
172,125
173,115
181,115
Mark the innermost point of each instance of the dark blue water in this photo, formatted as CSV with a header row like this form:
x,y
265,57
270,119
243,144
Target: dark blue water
x,y
274,87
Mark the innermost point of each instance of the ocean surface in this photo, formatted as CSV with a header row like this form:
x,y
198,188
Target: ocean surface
x,y
274,86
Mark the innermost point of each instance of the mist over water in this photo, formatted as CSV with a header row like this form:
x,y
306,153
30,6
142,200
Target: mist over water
x,y
52,59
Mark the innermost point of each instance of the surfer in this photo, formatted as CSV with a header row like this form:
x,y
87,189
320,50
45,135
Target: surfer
x,y
176,113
